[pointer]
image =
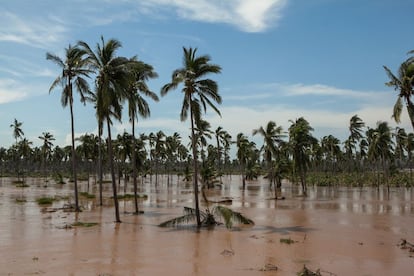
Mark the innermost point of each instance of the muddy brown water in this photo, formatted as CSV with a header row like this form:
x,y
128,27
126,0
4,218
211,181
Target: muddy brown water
x,y
341,231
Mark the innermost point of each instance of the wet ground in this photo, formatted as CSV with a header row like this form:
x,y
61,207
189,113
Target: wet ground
x,y
341,231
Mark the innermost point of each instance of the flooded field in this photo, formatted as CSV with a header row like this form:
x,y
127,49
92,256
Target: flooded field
x,y
341,231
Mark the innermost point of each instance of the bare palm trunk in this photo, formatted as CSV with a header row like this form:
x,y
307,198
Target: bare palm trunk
x,y
195,177
111,160
134,167
75,180
100,167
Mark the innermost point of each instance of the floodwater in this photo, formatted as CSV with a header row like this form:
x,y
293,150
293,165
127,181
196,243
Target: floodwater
x,y
341,231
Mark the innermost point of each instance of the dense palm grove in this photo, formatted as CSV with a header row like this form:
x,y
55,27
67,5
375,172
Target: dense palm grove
x,y
371,155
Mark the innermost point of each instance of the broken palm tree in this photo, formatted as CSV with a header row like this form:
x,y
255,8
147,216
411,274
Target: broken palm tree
x,y
209,217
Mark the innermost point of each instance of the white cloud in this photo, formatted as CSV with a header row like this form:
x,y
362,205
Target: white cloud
x,y
247,15
35,32
11,91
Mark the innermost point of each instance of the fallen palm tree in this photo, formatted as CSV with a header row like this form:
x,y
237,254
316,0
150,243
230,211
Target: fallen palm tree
x,y
209,217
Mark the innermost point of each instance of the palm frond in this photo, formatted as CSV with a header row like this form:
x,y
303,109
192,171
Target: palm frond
x,y
398,106
229,216
189,215
178,220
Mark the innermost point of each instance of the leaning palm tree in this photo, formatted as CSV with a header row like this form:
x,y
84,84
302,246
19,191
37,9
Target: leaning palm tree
x,y
403,83
198,93
74,71
138,106
112,83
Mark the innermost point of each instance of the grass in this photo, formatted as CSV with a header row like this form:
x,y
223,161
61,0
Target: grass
x,y
21,200
45,200
287,241
131,196
84,224
87,195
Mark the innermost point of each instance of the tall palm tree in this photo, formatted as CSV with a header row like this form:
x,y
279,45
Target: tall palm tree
x,y
403,83
198,93
112,83
138,106
74,71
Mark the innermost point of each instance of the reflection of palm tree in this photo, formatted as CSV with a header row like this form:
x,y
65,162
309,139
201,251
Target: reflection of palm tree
x,y
198,93
112,82
73,72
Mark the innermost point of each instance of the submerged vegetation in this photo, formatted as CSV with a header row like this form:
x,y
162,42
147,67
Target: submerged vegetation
x,y
209,218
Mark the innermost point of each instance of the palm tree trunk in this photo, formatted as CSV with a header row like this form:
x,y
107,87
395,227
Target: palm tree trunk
x,y
111,160
134,168
75,180
100,166
195,177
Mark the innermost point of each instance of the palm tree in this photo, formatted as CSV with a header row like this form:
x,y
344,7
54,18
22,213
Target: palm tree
x,y
138,106
403,83
332,150
47,139
112,82
202,131
301,140
355,128
17,130
74,70
381,146
272,138
198,93
243,146
17,133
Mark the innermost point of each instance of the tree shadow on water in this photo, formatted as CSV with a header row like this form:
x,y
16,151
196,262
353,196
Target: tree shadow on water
x,y
283,230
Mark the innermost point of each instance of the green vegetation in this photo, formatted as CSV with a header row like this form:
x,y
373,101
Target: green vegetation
x,y
45,200
287,241
87,195
84,224
132,196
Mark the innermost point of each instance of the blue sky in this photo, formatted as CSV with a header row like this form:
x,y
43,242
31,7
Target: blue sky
x,y
280,59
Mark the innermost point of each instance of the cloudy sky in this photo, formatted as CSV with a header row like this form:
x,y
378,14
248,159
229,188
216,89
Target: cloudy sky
x,y
280,59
